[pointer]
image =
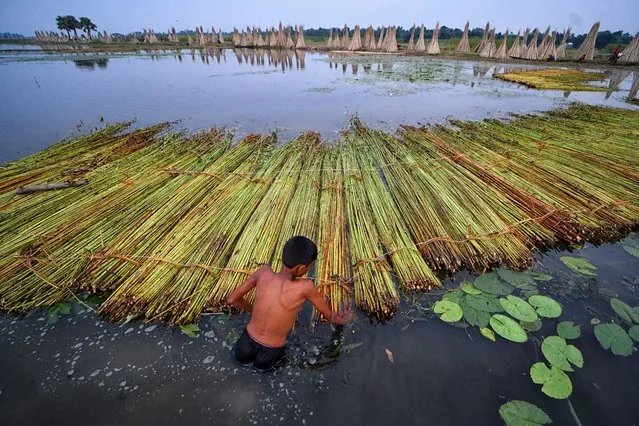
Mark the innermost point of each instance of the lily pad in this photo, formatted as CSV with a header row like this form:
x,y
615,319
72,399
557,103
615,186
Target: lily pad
x,y
454,296
633,332
538,276
190,330
508,328
518,308
531,326
568,330
561,355
631,245
545,306
473,316
580,265
515,278
450,311
490,283
613,337
522,413
556,383
487,333
469,288
484,302
624,310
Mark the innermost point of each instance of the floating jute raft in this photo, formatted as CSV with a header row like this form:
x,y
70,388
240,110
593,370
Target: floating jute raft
x,y
169,224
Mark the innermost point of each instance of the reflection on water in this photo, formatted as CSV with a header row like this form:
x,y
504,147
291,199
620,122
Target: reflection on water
x,y
91,64
257,90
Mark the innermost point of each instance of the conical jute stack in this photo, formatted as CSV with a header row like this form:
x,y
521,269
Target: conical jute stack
x,y
411,41
531,50
281,36
502,52
337,44
433,45
382,35
484,38
464,44
420,46
329,42
489,47
236,38
515,49
551,47
545,41
289,44
631,52
346,40
587,48
391,40
369,39
221,37
356,41
300,43
561,50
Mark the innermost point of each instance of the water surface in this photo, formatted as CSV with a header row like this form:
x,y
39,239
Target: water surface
x,y
47,96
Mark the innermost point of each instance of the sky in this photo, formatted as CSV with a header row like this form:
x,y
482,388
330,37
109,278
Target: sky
x,y
125,16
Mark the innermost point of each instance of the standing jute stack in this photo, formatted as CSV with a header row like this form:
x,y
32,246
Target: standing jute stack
x,y
464,44
515,49
433,46
356,41
631,52
411,41
561,50
484,38
502,52
587,48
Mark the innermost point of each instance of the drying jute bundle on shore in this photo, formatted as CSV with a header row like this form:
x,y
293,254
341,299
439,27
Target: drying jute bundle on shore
x,y
169,224
464,45
631,52
587,48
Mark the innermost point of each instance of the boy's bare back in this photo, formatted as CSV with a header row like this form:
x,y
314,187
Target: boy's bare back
x,y
278,300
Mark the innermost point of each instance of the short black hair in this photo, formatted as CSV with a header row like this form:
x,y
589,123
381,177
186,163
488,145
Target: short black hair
x,y
299,250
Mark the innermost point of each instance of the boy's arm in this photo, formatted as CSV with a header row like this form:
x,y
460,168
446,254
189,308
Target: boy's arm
x,y
236,298
320,304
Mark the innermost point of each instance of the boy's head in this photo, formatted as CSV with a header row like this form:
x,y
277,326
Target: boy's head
x,y
298,255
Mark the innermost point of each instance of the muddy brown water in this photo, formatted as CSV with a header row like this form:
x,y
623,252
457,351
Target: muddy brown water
x,y
83,370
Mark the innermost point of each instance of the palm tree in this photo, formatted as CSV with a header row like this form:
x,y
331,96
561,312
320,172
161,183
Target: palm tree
x,y
62,24
68,23
87,26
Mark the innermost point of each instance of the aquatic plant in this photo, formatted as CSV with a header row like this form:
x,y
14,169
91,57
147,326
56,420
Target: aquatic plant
x,y
555,79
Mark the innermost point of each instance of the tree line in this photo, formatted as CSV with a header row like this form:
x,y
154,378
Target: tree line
x,y
69,23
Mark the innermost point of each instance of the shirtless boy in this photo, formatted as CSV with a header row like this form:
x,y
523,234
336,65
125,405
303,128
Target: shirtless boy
x,y
278,299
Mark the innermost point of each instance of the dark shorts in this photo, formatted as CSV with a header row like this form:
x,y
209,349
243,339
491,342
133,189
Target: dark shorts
x,y
247,350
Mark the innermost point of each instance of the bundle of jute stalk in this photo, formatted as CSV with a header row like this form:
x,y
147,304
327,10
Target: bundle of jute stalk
x,y
416,200
257,241
477,217
84,156
409,268
534,222
302,215
375,290
525,176
619,146
53,266
178,266
28,214
52,160
188,189
603,196
333,271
